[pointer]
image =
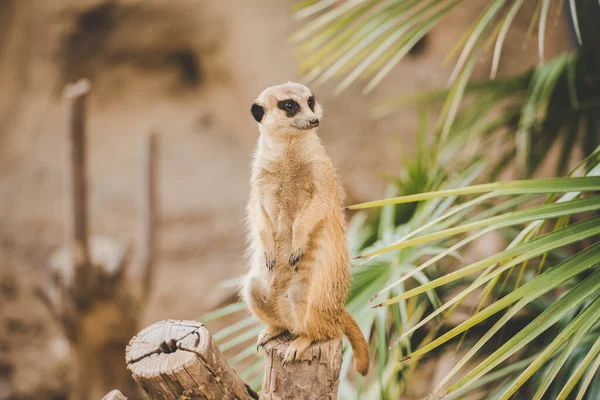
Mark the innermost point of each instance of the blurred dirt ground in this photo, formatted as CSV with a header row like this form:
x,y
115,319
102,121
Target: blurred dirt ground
x,y
188,69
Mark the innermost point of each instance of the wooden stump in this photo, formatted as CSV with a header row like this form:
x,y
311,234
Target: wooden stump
x,y
174,360
315,376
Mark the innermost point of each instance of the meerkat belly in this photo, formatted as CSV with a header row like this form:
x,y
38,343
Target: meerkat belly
x,y
284,196
286,188
285,205
293,303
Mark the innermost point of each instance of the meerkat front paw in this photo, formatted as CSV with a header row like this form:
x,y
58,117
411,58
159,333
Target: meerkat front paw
x,y
296,349
265,336
295,258
268,244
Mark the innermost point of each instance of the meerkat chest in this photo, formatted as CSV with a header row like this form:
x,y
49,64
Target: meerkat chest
x,y
286,186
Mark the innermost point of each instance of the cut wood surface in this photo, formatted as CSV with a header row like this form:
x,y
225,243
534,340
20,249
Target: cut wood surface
x,y
174,360
316,375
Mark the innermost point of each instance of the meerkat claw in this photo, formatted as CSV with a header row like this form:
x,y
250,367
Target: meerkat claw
x,y
290,356
294,258
270,264
266,335
296,349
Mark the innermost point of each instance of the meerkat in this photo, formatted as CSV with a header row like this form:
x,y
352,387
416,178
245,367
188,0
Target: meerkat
x,y
300,270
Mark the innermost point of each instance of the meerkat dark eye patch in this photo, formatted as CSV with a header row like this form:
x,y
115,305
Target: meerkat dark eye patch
x,y
290,107
311,103
257,112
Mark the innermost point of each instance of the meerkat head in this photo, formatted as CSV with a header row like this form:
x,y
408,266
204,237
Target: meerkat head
x,y
288,109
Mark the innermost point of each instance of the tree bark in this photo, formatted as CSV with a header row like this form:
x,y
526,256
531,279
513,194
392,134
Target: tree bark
x,y
174,360
315,376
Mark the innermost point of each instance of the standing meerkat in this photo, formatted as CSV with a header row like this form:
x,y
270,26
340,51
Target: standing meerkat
x,y
300,270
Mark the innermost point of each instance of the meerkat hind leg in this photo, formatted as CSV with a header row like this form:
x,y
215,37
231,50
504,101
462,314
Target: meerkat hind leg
x,y
268,333
296,349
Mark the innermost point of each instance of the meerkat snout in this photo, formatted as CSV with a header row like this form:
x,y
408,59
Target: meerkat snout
x,y
288,109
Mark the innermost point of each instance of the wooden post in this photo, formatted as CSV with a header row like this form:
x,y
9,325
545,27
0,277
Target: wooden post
x,y
315,376
76,214
174,360
141,270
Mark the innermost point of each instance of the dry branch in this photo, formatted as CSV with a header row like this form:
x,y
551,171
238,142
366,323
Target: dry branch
x,y
76,230
174,360
142,268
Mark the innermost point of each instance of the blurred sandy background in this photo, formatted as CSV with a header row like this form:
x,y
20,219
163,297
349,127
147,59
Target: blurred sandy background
x,y
188,69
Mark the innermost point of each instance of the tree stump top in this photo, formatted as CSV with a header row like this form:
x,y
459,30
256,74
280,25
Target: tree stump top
x,y
179,359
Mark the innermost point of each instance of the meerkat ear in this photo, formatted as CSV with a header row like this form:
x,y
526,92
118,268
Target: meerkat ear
x,y
257,112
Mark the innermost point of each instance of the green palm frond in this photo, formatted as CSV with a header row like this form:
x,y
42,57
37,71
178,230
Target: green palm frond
x,y
366,38
578,276
361,39
547,106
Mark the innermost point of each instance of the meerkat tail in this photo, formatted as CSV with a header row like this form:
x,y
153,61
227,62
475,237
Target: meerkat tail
x,y
360,349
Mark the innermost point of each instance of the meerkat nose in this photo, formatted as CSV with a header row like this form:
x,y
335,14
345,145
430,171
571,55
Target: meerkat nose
x,y
314,122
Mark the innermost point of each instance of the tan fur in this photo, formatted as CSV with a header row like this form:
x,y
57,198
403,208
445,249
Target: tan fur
x,y
295,209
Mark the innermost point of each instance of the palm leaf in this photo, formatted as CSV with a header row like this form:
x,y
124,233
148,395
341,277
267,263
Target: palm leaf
x,y
583,322
530,186
588,379
508,19
585,290
503,221
581,368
